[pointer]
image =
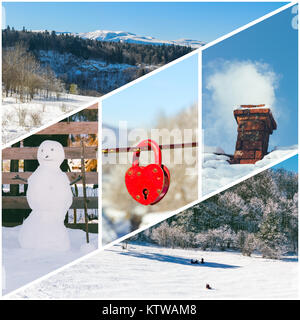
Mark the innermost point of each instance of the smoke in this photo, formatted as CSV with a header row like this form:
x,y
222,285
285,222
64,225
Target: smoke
x,y
229,85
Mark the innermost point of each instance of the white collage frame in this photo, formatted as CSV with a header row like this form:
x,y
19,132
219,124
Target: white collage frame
x,y
201,198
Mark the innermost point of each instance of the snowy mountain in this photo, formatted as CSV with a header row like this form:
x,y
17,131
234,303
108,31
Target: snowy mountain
x,y
129,37
95,69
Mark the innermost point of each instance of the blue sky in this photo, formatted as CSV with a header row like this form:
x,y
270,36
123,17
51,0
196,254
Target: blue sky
x,y
272,44
168,21
170,91
290,164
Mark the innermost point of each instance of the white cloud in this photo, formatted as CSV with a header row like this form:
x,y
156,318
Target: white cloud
x,y
230,84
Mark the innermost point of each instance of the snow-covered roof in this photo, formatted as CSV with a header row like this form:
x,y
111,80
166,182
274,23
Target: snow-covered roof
x,y
218,172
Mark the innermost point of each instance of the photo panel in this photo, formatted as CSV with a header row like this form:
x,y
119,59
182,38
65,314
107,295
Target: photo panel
x,y
50,199
238,244
149,146
56,57
249,100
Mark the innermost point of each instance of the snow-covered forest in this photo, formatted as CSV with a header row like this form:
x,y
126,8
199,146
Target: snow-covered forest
x,y
32,93
45,75
23,77
257,215
96,67
110,52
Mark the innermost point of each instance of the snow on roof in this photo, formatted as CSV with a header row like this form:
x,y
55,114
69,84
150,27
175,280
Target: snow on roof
x,y
217,172
252,106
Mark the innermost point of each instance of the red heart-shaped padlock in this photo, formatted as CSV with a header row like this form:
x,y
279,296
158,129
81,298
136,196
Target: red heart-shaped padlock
x,y
147,185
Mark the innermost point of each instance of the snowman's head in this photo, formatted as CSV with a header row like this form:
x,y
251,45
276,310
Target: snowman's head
x,y
50,153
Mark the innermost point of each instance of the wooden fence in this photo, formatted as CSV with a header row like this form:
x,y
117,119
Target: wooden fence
x,y
18,202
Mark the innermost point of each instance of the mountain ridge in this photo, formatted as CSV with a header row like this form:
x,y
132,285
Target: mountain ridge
x,y
130,37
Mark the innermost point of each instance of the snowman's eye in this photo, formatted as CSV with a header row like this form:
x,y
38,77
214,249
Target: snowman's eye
x,y
52,149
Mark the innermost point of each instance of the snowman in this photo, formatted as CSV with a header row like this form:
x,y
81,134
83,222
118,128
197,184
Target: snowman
x,y
49,196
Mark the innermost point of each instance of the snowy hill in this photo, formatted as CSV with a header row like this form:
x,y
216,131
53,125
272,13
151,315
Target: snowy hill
x,y
123,36
129,37
19,118
162,273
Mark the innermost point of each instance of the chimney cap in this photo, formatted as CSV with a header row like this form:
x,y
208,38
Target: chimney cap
x,y
252,105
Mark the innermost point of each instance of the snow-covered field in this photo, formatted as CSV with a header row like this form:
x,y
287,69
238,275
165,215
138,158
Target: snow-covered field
x,y
20,118
217,172
21,266
148,272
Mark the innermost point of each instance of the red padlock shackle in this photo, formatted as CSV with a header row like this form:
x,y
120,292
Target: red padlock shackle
x,y
154,147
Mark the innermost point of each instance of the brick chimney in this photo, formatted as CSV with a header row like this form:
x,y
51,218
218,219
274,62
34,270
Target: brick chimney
x,y
255,124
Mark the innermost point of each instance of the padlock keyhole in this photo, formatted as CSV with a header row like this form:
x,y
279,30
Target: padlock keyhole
x,y
145,193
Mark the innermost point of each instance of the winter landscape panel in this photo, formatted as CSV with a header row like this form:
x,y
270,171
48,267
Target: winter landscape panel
x,y
240,244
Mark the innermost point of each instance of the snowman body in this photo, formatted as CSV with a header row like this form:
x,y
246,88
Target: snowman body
x,y
49,196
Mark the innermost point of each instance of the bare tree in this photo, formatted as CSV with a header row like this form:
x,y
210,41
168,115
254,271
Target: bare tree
x,y
24,77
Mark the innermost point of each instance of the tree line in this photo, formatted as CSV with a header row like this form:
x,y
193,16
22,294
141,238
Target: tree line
x,y
259,214
23,77
110,52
